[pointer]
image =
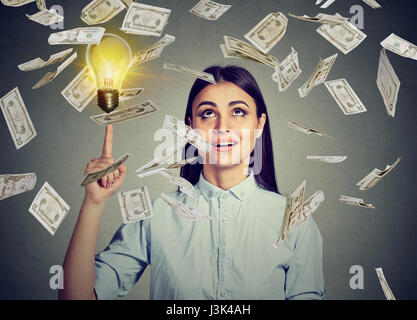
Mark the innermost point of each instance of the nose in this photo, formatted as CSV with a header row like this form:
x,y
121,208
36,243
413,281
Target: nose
x,y
222,125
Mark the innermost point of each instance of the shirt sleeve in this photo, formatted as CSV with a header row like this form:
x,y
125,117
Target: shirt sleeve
x,y
304,277
121,264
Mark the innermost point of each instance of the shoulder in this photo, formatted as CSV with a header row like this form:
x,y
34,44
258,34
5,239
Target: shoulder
x,y
307,233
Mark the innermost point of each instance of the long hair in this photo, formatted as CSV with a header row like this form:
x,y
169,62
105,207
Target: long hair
x,y
263,157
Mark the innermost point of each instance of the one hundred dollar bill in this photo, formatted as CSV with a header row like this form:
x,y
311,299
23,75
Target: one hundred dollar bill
x,y
328,159
48,77
46,17
345,97
372,178
130,93
287,71
97,175
160,164
101,11
13,184
190,72
15,3
41,4
17,118
322,18
49,208
372,3
87,35
38,63
234,54
318,76
268,32
355,202
184,185
400,46
312,203
152,52
137,111
384,284
145,19
388,83
302,128
180,208
209,10
135,205
326,4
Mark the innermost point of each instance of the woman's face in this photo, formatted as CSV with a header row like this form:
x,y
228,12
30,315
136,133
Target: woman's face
x,y
225,115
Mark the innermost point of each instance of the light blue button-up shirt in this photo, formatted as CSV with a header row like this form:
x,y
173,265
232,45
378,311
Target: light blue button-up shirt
x,y
228,257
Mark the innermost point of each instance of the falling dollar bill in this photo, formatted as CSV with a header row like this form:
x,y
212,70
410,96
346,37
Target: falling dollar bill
x,y
87,35
130,93
268,32
372,3
49,208
152,52
400,46
322,18
302,128
344,36
17,118
190,72
15,3
41,4
326,4
128,3
328,159
160,164
311,205
97,175
48,77
184,185
355,202
181,129
287,71
13,184
294,208
234,54
137,111
209,10
384,284
318,76
388,83
101,11
180,208
46,17
345,97
236,45
81,90
135,205
372,178
144,19
38,63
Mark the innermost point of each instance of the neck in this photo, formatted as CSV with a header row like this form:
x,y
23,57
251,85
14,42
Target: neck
x,y
225,177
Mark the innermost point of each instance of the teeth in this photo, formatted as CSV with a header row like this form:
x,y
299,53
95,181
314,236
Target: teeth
x,y
225,144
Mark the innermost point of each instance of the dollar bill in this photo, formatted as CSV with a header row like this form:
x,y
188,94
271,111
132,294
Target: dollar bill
x,y
49,208
388,83
268,32
97,175
372,3
145,19
101,11
160,164
13,184
127,94
345,97
311,205
87,35
15,3
234,54
318,76
302,128
135,205
190,72
384,284
181,129
322,18
355,202
209,10
184,185
328,159
17,118
128,3
152,52
372,178
46,17
287,71
344,36
236,45
41,4
294,208
48,77
137,111
326,4
180,208
81,90
38,63
400,46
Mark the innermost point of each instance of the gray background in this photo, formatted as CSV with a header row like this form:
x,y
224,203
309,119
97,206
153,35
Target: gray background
x,y
67,140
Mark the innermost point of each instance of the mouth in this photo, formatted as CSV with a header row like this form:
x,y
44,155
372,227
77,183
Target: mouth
x,y
224,146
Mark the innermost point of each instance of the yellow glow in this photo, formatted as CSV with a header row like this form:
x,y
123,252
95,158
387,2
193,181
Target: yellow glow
x,y
109,61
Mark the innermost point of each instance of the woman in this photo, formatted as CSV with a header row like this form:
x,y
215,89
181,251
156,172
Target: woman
x,y
229,256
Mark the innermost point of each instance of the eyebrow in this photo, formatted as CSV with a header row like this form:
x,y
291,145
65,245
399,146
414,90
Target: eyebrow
x,y
231,103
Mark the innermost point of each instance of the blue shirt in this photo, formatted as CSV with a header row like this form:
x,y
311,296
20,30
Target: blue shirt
x,y
228,257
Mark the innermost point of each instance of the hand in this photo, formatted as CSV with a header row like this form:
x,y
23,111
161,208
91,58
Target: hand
x,y
98,192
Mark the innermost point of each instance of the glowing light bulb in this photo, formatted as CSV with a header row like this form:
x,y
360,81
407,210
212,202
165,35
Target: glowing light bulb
x,y
109,61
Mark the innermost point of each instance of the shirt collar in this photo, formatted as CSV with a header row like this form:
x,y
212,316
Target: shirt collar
x,y
240,191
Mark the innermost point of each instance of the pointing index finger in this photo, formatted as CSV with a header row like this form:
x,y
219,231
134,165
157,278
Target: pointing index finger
x,y
108,142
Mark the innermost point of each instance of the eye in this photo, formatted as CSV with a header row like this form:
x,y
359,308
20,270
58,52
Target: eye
x,y
239,112
207,114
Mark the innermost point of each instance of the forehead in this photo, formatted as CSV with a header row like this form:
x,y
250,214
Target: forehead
x,y
223,92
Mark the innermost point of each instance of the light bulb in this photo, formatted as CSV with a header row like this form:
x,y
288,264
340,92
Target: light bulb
x,y
109,61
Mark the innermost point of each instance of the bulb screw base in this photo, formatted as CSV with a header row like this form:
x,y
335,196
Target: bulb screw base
x,y
108,100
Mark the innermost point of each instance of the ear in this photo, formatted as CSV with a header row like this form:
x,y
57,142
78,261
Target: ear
x,y
261,124
190,123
